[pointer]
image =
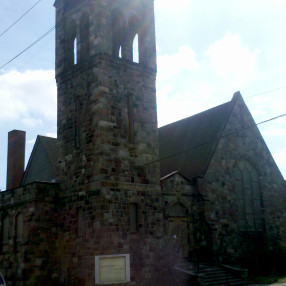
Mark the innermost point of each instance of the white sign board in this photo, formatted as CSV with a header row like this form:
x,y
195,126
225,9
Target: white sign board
x,y
110,269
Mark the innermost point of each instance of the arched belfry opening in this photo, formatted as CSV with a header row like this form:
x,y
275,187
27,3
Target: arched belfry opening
x,y
70,44
135,49
118,32
125,36
75,51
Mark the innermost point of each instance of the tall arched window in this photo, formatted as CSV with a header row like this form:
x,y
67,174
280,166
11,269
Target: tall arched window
x,y
248,197
71,43
118,30
75,51
135,49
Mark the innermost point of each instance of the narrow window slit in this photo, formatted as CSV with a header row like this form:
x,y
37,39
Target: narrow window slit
x,y
75,51
120,52
135,49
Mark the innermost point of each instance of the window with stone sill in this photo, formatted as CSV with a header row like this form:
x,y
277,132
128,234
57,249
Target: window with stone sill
x,y
248,197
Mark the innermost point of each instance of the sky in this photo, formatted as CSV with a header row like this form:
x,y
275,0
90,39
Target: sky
x,y
206,51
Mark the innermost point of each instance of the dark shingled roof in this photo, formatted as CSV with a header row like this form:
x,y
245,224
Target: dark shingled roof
x,y
188,145
51,147
43,161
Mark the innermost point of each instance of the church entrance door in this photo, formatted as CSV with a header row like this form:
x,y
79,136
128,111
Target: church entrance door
x,y
178,230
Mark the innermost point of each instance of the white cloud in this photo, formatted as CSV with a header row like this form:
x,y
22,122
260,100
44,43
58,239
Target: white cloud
x,y
230,59
32,141
50,134
171,5
31,122
182,61
30,95
280,158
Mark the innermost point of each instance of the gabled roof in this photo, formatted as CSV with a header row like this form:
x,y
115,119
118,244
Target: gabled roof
x,y
43,161
188,145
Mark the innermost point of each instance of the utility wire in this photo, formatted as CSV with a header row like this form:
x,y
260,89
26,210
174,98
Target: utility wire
x,y
49,31
268,91
30,46
42,37
13,24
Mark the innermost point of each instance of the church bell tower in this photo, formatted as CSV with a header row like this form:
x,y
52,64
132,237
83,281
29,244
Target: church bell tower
x,y
107,120
107,135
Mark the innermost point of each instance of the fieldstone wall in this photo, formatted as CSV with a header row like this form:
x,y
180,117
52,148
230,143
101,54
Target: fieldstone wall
x,y
93,124
24,260
241,140
97,222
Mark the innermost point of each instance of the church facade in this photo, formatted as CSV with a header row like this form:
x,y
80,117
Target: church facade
x,y
114,200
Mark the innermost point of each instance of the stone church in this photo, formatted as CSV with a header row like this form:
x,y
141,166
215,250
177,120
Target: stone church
x,y
116,201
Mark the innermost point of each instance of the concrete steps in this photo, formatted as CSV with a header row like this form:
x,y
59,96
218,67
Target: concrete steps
x,y
213,275
218,276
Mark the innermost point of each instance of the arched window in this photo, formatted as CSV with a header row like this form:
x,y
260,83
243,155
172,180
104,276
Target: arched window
x,y
75,51
120,52
135,49
19,227
248,197
71,43
118,31
5,229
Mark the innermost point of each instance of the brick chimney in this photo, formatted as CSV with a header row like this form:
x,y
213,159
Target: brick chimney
x,y
16,158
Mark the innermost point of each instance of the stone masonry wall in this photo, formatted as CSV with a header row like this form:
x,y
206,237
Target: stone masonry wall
x,y
218,185
23,261
102,96
97,222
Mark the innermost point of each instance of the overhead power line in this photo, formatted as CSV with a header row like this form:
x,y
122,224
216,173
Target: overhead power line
x,y
273,118
14,23
267,91
30,46
40,38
